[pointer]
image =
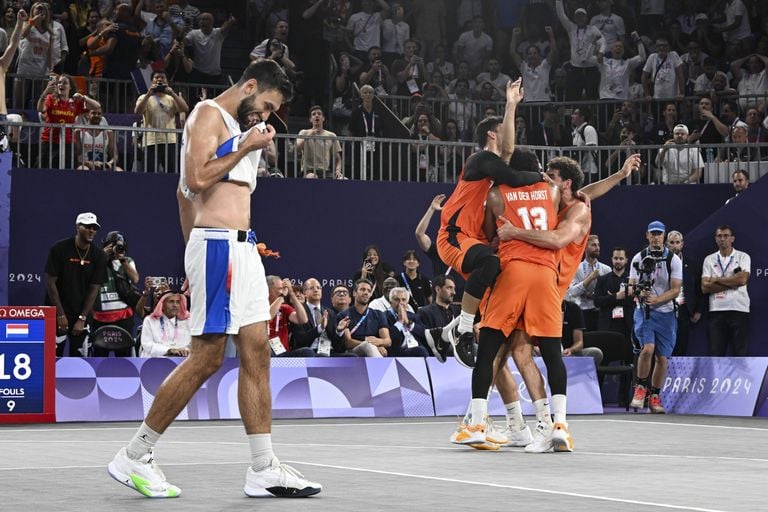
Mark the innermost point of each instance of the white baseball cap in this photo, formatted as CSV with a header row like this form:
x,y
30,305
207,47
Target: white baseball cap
x,y
87,219
580,10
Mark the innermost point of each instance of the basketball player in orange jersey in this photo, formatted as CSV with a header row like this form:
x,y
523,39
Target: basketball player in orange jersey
x,y
461,243
568,239
527,283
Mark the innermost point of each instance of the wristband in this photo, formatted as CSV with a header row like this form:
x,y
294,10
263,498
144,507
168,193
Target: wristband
x,y
82,317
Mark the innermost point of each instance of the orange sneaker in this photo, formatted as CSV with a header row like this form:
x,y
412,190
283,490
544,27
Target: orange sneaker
x,y
654,403
638,400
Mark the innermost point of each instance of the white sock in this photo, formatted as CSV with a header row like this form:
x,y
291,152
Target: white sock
x,y
448,328
542,411
515,419
478,411
261,451
466,322
143,440
468,414
558,407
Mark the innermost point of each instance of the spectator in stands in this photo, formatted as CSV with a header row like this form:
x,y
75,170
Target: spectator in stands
x,y
166,331
750,74
615,71
535,69
162,28
366,122
739,152
382,303
59,46
285,317
96,147
584,134
710,41
586,40
320,156
463,109
729,115
474,46
435,87
494,75
418,286
663,73
724,277
678,41
429,18
735,26
663,131
405,331
462,73
110,308
35,53
277,52
377,74
57,105
582,288
265,50
123,45
693,65
367,333
177,64
610,25
410,71
756,133
690,303
440,313
549,132
364,27
321,333
184,14
74,272
679,165
93,45
702,85
158,108
395,31
534,36
618,156
8,26
426,156
573,334
206,43
740,179
687,18
374,270
7,58
344,96
438,63
706,127
340,299
623,116
613,303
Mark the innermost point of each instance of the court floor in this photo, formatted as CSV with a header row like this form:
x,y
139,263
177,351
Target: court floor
x,y
622,462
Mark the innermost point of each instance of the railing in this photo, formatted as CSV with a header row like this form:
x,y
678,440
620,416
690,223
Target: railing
x,y
384,159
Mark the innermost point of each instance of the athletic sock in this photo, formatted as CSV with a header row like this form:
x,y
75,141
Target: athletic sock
x,y
514,414
143,440
643,382
448,328
261,451
558,408
466,322
478,411
542,411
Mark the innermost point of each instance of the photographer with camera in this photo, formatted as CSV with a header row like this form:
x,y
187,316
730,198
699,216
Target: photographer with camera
x,y
158,108
724,277
655,278
117,296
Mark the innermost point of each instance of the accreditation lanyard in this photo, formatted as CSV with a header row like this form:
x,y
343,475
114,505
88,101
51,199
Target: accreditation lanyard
x,y
372,131
405,282
359,322
720,264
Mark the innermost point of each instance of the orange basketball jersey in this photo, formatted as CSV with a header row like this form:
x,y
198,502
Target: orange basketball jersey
x,y
570,256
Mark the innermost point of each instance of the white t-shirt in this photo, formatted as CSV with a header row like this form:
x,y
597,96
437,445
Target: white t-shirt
x,y
366,30
583,40
446,68
589,138
660,276
663,74
732,10
33,54
611,26
716,265
463,111
678,164
751,84
536,81
394,35
704,84
614,77
207,50
500,81
475,48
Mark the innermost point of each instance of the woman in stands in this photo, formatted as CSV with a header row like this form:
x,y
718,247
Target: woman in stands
x,y
374,270
35,54
57,105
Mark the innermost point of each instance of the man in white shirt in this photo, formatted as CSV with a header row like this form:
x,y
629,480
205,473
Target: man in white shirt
x,y
474,46
382,303
615,71
494,75
582,289
609,24
394,33
736,28
584,134
364,28
206,43
663,73
534,69
724,277
320,156
584,38
679,165
166,331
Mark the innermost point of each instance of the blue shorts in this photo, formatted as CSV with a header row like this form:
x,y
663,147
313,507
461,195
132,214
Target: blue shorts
x,y
660,330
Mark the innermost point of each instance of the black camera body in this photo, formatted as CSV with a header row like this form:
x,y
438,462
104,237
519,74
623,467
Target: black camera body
x,y
161,88
119,248
645,268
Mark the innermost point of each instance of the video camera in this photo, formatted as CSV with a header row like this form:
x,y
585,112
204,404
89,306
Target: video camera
x,y
645,269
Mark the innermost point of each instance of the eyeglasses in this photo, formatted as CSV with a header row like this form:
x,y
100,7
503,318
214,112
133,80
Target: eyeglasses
x,y
341,292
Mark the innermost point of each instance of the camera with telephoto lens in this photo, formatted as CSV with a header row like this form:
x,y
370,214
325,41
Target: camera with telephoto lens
x,y
120,248
645,269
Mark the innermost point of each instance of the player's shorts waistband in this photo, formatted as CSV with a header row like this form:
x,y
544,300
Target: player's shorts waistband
x,y
234,235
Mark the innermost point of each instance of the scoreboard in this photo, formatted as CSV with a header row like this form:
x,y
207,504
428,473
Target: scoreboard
x,y
27,364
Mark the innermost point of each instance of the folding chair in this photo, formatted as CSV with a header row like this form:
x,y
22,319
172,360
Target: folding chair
x,y
616,349
113,338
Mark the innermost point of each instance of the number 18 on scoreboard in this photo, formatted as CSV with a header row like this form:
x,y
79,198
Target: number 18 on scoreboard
x,y
27,364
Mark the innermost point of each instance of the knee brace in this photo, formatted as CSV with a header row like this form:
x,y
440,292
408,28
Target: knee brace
x,y
551,353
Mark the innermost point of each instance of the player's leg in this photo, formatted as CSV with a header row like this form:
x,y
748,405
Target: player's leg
x,y
665,326
557,376
516,432
645,335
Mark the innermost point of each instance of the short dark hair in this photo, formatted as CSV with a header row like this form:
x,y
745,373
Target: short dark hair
x,y
333,291
410,253
483,127
270,76
725,227
585,113
742,172
524,159
439,281
359,282
316,107
568,169
619,248
158,72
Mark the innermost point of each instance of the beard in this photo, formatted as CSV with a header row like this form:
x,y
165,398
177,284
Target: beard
x,y
245,112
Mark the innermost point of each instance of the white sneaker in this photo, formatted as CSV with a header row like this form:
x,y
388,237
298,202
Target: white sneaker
x,y
561,438
143,475
542,439
492,434
278,481
518,438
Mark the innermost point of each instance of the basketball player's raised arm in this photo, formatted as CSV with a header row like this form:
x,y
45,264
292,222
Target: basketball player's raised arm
x,y
599,188
568,230
490,166
514,95
201,169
